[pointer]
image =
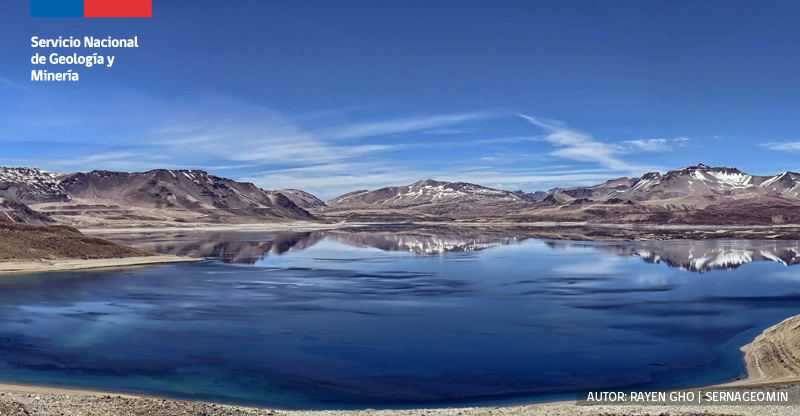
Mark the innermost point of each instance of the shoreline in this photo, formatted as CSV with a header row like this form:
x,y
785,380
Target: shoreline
x,y
302,226
41,266
567,231
458,223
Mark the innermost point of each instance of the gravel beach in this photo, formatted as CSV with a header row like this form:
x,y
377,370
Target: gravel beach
x,y
24,404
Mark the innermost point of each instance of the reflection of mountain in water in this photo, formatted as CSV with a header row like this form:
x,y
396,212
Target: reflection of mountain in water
x,y
236,247
702,256
248,248
420,242
233,247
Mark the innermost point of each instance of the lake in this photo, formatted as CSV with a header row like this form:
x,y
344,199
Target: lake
x,y
397,317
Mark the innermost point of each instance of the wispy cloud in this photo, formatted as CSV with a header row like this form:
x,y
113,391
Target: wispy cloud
x,y
330,180
582,147
653,145
120,160
783,146
9,82
406,125
448,130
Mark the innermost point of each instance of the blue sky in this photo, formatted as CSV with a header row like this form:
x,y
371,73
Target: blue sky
x,y
334,96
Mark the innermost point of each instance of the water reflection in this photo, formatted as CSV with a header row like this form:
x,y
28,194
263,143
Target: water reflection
x,y
249,248
332,322
227,247
702,256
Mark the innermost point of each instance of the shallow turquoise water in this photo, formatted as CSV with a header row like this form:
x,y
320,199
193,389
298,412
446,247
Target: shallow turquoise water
x,y
332,321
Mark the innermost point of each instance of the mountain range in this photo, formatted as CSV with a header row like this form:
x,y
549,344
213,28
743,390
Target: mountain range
x,y
106,198
691,195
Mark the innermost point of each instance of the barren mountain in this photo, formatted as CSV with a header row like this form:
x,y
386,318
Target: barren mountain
x,y
691,195
18,212
713,183
31,186
102,197
302,199
435,199
597,192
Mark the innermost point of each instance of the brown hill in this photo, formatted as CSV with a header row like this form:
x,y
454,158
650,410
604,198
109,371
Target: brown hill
x,y
56,242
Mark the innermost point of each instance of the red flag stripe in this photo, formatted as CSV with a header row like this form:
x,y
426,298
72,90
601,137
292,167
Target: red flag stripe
x,y
118,8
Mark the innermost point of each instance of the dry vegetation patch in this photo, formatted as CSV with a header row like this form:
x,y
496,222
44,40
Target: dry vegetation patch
x,y
56,242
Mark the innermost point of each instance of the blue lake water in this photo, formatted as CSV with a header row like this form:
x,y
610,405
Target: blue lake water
x,y
397,319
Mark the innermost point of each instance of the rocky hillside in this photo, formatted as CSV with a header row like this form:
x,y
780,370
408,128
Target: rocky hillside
x,y
424,192
106,198
31,186
302,199
18,212
180,189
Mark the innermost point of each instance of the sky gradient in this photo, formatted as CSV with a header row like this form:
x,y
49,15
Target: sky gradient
x,y
331,97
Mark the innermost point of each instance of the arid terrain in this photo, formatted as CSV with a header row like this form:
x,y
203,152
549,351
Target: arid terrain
x,y
56,242
26,248
694,195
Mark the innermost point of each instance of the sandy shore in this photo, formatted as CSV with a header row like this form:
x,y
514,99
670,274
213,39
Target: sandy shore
x,y
774,356
21,267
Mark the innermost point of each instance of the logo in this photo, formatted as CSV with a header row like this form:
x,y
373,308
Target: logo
x,y
91,8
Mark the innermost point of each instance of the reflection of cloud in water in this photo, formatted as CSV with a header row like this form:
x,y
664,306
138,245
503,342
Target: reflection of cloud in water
x,y
788,276
604,265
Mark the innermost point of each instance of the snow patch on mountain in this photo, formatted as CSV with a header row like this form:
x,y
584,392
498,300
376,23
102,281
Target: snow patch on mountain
x,y
30,186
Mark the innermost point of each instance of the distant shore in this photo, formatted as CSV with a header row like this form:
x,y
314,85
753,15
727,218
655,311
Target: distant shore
x,y
582,231
22,267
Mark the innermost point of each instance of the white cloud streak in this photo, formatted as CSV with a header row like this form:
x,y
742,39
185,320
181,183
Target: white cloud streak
x,y
400,126
783,146
653,145
582,147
